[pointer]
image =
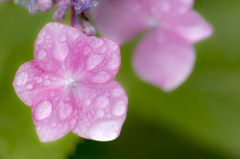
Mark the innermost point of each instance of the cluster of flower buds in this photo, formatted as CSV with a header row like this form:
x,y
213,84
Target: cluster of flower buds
x,y
79,7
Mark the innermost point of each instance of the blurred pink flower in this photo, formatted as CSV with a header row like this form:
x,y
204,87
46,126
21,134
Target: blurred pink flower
x,y
70,85
165,56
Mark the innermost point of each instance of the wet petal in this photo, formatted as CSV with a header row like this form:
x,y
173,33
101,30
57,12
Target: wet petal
x,y
102,111
96,60
31,80
191,26
53,47
119,20
54,114
164,59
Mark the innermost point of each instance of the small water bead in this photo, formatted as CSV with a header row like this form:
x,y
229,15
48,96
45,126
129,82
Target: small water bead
x,y
38,128
112,45
38,80
86,50
60,51
97,43
41,54
29,86
64,110
99,113
117,92
21,78
46,83
87,102
52,93
48,37
62,38
119,108
45,77
101,102
100,77
43,32
39,40
93,60
54,124
43,110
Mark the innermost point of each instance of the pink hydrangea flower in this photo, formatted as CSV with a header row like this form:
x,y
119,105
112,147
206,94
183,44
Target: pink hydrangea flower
x,y
165,56
70,85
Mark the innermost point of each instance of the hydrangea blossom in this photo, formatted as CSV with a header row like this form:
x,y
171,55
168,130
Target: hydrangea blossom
x,y
69,85
165,56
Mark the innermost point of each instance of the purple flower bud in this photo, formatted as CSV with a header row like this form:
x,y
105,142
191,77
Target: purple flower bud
x,y
45,5
59,14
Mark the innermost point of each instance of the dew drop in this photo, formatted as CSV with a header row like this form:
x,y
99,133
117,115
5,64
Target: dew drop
x,y
93,60
100,77
43,32
60,51
64,110
112,45
99,113
62,38
87,102
86,50
97,43
48,37
29,86
45,77
38,128
117,92
41,54
46,83
52,93
38,80
21,78
119,108
39,40
43,110
101,102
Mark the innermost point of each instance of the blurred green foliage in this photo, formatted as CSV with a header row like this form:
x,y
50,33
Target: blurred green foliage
x,y
200,119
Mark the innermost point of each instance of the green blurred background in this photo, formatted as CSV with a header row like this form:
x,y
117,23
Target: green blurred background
x,y
200,119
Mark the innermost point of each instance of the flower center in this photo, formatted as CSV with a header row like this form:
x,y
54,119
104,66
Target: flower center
x,y
71,83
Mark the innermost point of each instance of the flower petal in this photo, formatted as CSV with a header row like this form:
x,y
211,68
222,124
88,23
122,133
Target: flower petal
x,y
163,8
119,20
191,26
54,114
96,60
31,80
53,47
102,111
164,59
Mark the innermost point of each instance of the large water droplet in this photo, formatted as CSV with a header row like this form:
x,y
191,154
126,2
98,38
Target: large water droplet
x,y
62,38
41,54
101,102
60,51
64,110
100,77
97,43
112,45
117,92
21,78
86,50
38,80
29,86
93,60
87,102
43,110
119,108
99,113
39,40
46,83
52,93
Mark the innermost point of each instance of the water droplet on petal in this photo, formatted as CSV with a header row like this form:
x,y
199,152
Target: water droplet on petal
x,y
29,86
101,102
64,110
38,128
39,40
38,80
117,92
97,43
43,110
52,93
86,50
41,54
48,37
21,78
101,77
60,51
46,83
62,38
99,113
112,45
93,60
119,108
87,102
